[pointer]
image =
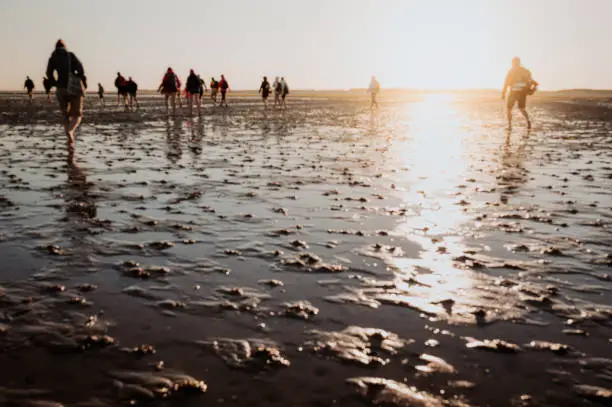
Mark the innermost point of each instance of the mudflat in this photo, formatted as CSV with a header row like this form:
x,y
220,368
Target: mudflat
x,y
325,255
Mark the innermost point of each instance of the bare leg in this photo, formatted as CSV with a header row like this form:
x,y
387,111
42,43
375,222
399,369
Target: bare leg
x,y
199,105
526,116
173,101
190,101
509,116
167,96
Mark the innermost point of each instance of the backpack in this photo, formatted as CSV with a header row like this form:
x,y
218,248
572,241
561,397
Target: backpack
x,y
224,85
286,90
279,87
170,80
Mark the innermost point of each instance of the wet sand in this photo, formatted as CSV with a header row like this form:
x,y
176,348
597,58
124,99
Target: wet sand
x,y
322,256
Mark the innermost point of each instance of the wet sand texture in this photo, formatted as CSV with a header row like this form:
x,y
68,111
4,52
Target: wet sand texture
x,y
322,256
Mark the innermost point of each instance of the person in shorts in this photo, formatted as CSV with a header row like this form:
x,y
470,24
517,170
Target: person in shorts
x,y
169,88
214,90
29,87
521,85
63,62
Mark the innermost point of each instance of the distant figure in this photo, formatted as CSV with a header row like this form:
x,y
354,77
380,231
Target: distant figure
x,y
373,90
178,92
264,90
521,85
120,83
278,90
194,88
29,86
71,84
223,87
131,88
214,89
101,93
47,86
202,89
285,92
169,87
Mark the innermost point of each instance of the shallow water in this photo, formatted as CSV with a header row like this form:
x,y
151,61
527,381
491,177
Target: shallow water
x,y
300,258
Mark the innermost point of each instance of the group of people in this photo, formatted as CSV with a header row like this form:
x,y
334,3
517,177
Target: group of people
x,y
29,86
71,83
280,89
195,87
126,90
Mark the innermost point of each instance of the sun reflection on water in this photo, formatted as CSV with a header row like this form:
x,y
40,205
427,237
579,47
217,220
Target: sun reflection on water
x,y
435,157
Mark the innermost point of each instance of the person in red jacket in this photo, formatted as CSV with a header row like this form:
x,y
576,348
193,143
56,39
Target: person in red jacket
x,y
223,88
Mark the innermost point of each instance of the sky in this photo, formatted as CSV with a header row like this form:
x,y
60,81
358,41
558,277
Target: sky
x,y
315,44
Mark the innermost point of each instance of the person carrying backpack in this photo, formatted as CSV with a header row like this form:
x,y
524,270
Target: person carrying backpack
x,y
285,92
47,86
214,89
169,88
120,83
194,89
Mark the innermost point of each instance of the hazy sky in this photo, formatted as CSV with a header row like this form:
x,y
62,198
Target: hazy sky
x,y
320,44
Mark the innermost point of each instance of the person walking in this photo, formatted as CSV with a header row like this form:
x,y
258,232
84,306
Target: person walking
x,y
169,88
373,90
70,84
278,90
131,88
47,86
214,90
28,85
120,83
264,91
194,90
521,85
285,92
101,94
223,88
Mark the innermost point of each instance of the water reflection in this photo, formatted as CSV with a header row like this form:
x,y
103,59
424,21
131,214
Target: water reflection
x,y
436,156
174,132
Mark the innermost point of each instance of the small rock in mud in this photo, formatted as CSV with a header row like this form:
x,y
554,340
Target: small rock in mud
x,y
379,391
55,250
593,392
231,252
272,283
366,346
301,310
96,341
557,348
250,354
299,244
161,245
434,365
142,350
494,345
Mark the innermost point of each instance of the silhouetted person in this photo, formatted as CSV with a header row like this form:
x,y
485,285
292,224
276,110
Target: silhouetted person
x,y
70,98
120,83
29,87
194,88
285,92
47,86
214,90
169,87
101,94
373,90
521,85
131,88
223,88
264,90
202,89
278,90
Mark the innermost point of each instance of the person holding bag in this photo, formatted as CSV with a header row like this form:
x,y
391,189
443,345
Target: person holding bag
x,y
71,84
